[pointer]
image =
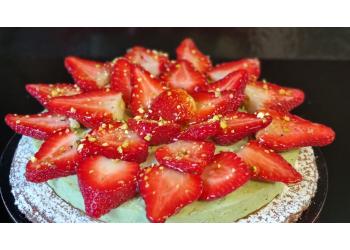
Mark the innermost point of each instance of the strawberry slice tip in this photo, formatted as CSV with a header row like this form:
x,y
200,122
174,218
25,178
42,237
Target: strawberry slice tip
x,y
121,78
166,191
106,183
201,131
224,174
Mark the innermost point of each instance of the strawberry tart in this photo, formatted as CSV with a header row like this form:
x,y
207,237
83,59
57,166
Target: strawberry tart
x,y
144,138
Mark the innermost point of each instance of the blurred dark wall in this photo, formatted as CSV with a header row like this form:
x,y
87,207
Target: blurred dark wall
x,y
225,43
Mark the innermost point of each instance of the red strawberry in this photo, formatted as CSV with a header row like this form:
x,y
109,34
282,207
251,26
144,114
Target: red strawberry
x,y
166,191
89,75
121,78
183,75
44,92
39,126
289,131
200,131
188,50
251,65
144,90
224,174
173,105
151,60
236,126
156,132
267,165
57,157
235,81
90,108
114,141
263,95
106,183
186,156
219,103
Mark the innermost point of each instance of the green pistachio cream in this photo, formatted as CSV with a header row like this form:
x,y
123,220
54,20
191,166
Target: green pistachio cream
x,y
238,204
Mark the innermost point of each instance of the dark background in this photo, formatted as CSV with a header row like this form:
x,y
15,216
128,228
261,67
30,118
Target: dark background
x,y
316,60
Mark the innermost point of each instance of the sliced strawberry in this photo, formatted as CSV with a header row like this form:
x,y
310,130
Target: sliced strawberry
x,y
156,132
90,108
121,78
151,60
183,75
144,90
200,131
106,183
288,131
166,191
235,81
251,65
236,126
267,165
173,105
89,75
263,95
224,174
57,157
39,126
221,103
188,50
186,156
44,92
114,141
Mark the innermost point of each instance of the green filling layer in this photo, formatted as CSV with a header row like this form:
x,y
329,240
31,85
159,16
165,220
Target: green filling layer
x,y
238,204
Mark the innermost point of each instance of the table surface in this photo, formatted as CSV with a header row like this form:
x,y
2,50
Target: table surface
x,y
326,84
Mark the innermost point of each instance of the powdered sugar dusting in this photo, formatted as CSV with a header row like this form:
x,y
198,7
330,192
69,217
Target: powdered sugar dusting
x,y
39,203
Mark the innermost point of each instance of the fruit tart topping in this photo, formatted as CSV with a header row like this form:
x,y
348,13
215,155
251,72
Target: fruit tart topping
x,y
57,157
235,81
165,191
188,50
121,78
91,108
39,126
89,75
264,95
115,141
251,65
106,183
267,165
44,92
186,156
201,131
223,175
288,131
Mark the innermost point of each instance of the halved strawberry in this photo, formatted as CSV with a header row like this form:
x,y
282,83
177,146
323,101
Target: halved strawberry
x,y
166,191
235,81
106,183
264,95
156,132
57,157
288,131
200,131
267,165
38,126
114,141
251,65
121,78
183,75
224,174
145,88
219,103
186,156
173,105
44,92
188,50
91,108
236,126
151,60
89,75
